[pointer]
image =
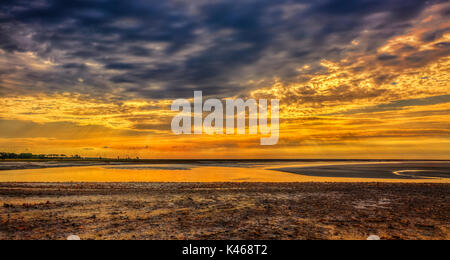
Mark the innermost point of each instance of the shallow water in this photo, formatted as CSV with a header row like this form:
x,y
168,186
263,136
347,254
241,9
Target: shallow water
x,y
245,172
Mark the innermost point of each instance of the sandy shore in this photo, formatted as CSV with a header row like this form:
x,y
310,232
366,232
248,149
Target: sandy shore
x,y
400,170
225,211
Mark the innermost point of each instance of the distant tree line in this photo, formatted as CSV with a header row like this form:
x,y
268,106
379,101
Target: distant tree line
x,y
5,156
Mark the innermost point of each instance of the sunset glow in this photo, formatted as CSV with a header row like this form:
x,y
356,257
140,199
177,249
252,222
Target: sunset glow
x,y
99,81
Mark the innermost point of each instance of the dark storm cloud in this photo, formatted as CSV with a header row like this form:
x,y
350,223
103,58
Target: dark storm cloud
x,y
386,57
166,49
434,35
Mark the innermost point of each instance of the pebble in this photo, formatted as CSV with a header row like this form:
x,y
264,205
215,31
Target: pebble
x,y
73,237
373,237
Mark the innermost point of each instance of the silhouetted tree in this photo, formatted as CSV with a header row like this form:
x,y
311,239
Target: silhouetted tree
x,y
25,156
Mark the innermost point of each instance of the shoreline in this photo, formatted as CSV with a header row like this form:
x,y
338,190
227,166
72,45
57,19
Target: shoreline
x,y
413,170
17,164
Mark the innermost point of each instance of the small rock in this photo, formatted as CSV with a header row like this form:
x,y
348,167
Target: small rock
x,y
373,237
73,237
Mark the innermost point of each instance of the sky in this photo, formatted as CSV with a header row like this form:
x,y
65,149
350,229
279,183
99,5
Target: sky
x,y
355,78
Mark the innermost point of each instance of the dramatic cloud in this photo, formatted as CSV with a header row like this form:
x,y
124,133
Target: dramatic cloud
x,y
355,78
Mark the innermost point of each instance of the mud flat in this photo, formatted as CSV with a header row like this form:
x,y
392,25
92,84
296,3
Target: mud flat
x,y
26,165
224,211
391,171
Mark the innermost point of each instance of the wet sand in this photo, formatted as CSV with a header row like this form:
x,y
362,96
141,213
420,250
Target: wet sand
x,y
410,172
28,165
389,171
225,211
